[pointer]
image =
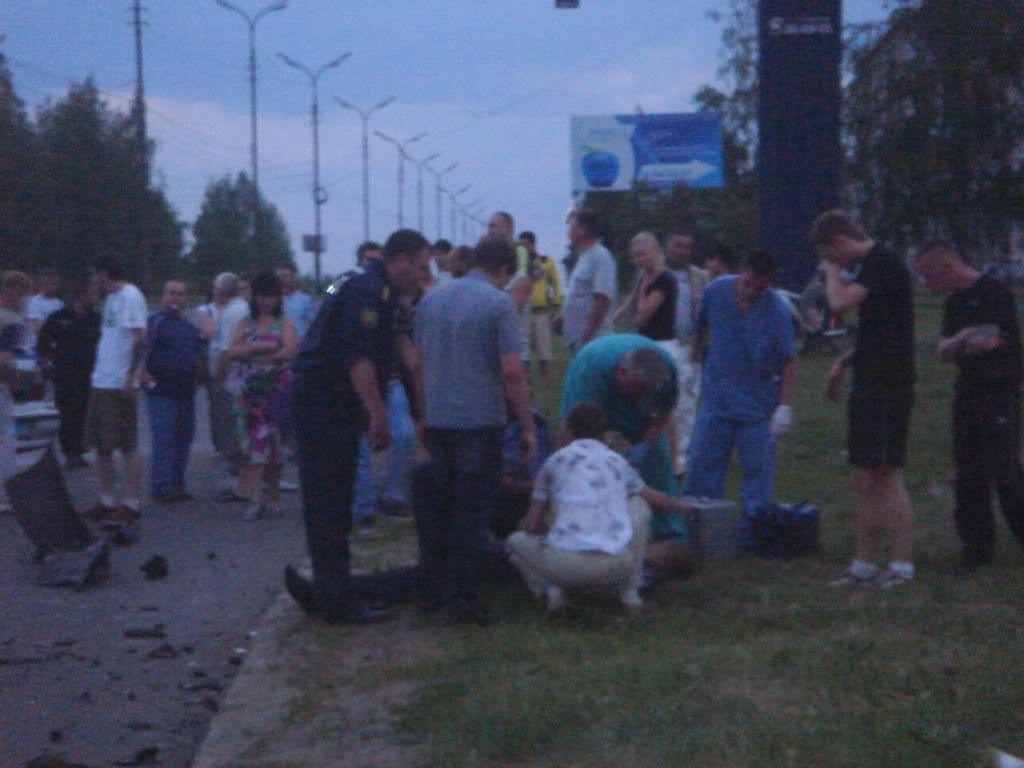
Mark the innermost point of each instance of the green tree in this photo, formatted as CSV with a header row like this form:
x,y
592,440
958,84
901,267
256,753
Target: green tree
x,y
88,198
935,113
18,177
222,239
720,218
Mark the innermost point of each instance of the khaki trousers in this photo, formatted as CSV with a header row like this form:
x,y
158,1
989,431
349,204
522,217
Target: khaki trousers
x,y
542,565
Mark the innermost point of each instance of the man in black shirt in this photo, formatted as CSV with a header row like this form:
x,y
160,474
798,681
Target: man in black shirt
x,y
340,375
67,344
981,336
860,274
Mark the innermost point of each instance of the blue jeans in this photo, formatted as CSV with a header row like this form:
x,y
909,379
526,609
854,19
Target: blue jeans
x,y
714,438
172,421
400,458
454,496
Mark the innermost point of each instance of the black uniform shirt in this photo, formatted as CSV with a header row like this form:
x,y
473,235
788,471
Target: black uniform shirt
x,y
69,339
987,301
356,320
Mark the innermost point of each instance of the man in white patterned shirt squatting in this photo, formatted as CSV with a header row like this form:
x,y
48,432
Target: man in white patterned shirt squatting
x,y
602,512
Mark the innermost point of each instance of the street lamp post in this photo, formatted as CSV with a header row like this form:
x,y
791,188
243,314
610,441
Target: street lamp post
x,y
470,214
402,155
254,164
453,197
438,175
364,116
424,163
319,193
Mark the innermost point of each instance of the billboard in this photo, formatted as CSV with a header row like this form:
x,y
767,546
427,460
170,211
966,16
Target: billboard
x,y
612,152
799,156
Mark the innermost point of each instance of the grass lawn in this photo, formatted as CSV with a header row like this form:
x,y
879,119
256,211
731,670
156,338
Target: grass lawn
x,y
757,663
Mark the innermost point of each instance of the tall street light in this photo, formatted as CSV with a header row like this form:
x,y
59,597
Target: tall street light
x,y
364,116
420,165
254,163
402,155
438,175
453,197
319,193
470,213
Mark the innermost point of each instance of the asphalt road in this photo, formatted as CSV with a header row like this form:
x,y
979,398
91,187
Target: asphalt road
x,y
72,684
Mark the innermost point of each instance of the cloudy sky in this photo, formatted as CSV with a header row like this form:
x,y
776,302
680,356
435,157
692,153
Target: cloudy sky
x,y
492,82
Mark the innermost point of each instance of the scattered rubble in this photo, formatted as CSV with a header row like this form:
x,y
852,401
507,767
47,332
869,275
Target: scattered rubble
x,y
165,651
145,756
146,633
155,568
46,760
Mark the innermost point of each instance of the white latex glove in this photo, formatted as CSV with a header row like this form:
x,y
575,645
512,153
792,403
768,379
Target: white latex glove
x,y
782,419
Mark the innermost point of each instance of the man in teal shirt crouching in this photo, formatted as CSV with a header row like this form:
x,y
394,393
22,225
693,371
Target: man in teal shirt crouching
x,y
633,380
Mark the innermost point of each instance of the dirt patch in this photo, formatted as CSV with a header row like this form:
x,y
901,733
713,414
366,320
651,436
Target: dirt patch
x,y
314,695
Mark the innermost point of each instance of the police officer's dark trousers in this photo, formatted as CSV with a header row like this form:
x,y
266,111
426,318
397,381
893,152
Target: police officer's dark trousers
x,y
986,451
327,443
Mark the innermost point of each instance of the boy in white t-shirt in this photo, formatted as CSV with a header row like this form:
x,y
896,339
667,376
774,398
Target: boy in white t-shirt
x,y
601,518
111,421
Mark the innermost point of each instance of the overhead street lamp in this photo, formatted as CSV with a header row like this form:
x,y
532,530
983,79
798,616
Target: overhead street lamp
x,y
254,165
438,175
453,197
470,213
364,116
420,165
402,155
319,193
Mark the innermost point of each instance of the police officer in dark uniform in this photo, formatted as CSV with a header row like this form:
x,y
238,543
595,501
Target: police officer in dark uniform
x,y
338,393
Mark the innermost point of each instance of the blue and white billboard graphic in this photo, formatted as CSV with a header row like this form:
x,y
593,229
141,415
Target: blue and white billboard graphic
x,y
612,152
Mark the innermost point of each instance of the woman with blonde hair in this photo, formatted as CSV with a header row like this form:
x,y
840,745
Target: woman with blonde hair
x,y
652,305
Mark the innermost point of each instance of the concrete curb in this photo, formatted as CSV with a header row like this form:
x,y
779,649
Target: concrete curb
x,y
257,701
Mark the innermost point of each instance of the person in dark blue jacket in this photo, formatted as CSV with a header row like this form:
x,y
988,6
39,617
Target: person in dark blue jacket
x,y
170,383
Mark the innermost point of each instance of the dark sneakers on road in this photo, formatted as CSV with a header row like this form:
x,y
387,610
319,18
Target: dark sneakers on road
x,y
300,590
98,512
121,517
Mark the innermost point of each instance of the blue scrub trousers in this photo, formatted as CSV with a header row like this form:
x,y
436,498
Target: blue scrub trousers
x,y
714,438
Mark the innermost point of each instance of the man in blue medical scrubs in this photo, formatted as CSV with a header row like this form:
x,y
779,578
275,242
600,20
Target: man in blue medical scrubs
x,y
748,340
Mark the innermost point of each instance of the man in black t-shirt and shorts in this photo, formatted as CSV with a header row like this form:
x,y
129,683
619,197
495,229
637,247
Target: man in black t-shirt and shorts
x,y
861,274
981,336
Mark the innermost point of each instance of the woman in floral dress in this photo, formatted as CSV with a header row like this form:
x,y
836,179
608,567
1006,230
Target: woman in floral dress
x,y
262,346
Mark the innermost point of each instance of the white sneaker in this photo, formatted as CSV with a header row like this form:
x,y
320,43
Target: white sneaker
x,y
851,578
556,600
890,579
631,599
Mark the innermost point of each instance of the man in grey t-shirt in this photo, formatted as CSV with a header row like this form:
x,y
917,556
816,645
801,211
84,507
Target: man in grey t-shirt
x,y
593,285
469,340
